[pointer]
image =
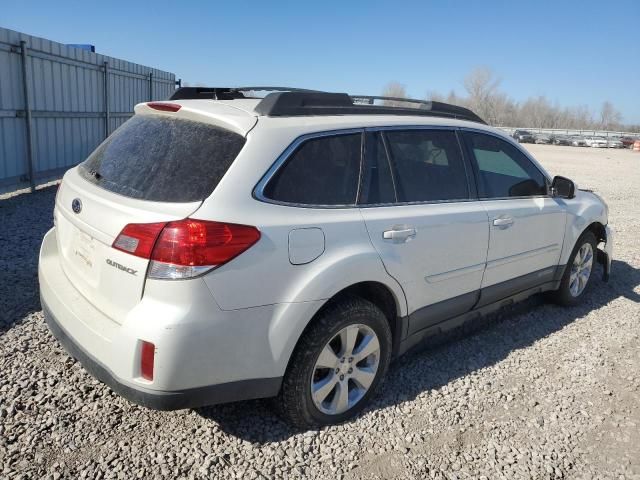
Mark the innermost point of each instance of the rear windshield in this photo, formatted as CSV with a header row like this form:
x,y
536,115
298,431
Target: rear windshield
x,y
163,159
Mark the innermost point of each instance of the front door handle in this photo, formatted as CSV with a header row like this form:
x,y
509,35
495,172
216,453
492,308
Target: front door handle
x,y
503,222
399,235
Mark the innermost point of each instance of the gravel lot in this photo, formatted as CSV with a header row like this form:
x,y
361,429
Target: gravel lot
x,y
537,392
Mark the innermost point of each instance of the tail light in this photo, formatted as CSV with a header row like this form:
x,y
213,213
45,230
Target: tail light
x,y
185,248
138,238
147,359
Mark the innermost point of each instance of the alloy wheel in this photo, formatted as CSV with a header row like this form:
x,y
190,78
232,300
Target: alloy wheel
x,y
581,270
345,369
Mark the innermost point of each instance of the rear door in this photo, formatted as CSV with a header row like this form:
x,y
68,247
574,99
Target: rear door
x,y
526,224
152,169
418,204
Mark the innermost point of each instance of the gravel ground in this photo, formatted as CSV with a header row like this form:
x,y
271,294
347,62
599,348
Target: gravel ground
x,y
538,392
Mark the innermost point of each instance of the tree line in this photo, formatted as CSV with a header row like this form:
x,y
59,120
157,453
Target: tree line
x,y
485,98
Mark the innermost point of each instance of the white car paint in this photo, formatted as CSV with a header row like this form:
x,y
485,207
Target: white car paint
x,y
530,243
242,321
596,142
444,259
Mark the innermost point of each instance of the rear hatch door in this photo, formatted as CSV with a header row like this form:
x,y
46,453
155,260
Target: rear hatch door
x,y
155,168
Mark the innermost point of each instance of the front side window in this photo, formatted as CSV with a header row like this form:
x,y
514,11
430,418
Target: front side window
x,y
321,171
427,165
503,170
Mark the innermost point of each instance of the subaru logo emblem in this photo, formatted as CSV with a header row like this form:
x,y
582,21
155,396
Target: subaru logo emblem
x,y
76,205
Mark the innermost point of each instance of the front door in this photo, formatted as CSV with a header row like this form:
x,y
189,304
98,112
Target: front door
x,y
526,225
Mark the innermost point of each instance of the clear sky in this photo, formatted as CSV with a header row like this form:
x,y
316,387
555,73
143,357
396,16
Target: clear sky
x,y
573,52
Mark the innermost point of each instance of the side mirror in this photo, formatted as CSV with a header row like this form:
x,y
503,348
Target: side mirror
x,y
563,187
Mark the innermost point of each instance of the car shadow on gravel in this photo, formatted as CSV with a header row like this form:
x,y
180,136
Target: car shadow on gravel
x,y
446,358
24,219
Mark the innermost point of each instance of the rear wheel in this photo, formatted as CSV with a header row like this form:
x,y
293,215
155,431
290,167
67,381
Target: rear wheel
x,y
578,271
337,365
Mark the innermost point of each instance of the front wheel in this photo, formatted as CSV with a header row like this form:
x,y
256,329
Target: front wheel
x,y
578,271
337,365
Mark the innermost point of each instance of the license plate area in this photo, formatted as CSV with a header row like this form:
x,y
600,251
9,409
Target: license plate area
x,y
81,253
84,247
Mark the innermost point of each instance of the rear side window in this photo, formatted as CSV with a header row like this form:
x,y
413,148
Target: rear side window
x,y
427,165
163,159
504,171
321,171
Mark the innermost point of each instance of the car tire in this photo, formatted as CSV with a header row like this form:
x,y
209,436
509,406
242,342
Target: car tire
x,y
315,383
578,272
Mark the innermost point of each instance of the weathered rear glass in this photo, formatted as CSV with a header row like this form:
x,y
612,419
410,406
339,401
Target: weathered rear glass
x,y
163,159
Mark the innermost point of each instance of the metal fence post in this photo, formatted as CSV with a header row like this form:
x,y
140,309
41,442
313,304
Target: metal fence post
x,y
107,115
27,110
150,86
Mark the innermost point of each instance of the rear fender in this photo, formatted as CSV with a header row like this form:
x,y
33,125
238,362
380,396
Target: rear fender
x,y
327,279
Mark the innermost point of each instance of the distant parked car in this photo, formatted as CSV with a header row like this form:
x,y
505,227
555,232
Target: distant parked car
x,y
578,141
542,138
561,140
627,142
596,142
614,142
524,136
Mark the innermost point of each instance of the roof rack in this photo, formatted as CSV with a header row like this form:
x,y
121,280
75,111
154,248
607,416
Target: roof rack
x,y
370,100
226,93
294,102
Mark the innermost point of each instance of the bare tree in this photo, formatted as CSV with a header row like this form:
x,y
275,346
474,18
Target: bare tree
x,y
435,96
486,99
482,85
397,90
452,98
609,117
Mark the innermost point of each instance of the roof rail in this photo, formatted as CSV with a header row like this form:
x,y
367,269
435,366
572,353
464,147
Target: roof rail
x,y
370,99
294,102
226,93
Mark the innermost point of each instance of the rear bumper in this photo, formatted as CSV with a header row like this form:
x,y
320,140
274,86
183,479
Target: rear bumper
x,y
203,355
160,400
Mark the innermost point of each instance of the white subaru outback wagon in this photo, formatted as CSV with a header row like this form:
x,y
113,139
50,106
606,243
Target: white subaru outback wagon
x,y
218,247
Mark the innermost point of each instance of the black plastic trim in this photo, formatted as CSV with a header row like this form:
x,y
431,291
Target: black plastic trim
x,y
159,400
421,336
225,93
502,290
433,314
473,303
297,103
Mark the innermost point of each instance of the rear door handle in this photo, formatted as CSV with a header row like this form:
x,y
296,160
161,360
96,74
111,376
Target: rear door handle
x,y
503,222
399,235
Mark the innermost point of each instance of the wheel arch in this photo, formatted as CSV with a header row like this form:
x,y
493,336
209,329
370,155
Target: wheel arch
x,y
586,213
382,297
376,292
598,230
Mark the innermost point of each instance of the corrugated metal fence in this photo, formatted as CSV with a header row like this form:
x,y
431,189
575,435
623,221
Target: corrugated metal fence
x,y
52,104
